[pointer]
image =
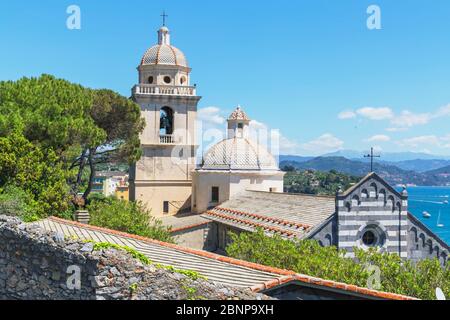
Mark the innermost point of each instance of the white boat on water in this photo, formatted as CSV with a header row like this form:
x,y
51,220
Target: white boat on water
x,y
439,224
426,214
445,202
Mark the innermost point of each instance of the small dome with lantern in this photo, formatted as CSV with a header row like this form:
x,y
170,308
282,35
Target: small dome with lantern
x,y
238,152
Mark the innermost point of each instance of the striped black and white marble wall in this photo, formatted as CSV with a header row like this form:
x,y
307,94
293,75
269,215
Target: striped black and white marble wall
x,y
373,214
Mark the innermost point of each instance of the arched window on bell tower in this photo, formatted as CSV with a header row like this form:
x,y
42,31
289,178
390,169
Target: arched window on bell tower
x,y
166,125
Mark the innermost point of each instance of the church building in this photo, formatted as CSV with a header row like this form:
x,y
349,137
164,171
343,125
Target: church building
x,y
239,187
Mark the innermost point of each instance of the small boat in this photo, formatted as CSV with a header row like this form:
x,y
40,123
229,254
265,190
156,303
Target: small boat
x,y
426,214
445,202
439,224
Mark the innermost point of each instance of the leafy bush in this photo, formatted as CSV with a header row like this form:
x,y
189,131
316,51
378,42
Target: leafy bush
x,y
129,217
36,171
16,202
308,257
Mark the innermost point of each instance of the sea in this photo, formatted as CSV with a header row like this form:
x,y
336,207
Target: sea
x,y
433,200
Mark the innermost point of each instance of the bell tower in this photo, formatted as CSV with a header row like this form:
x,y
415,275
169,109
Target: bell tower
x,y
161,179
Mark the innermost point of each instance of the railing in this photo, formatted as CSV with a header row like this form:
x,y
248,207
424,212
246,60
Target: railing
x,y
167,139
164,90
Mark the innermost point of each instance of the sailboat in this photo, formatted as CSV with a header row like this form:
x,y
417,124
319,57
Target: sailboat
x,y
426,214
439,224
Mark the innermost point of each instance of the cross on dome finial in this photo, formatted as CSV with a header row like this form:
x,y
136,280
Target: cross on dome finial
x,y
164,16
163,32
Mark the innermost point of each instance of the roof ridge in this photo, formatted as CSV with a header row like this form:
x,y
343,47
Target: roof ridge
x,y
254,224
258,216
293,194
330,284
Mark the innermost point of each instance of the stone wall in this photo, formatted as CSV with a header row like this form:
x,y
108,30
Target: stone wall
x,y
424,244
38,265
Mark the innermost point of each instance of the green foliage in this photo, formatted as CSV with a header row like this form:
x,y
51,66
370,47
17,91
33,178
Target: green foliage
x,y
120,120
49,112
404,277
129,217
193,275
133,288
191,292
37,172
98,246
308,257
58,132
316,182
16,202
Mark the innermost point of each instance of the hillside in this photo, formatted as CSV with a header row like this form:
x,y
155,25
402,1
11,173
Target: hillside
x,y
390,173
442,172
387,156
295,158
420,165
318,183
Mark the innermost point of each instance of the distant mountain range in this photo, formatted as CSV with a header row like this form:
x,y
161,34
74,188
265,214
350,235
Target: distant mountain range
x,y
420,165
387,156
408,161
402,172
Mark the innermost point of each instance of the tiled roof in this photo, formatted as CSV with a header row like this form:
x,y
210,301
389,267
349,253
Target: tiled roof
x,y
239,114
239,154
216,268
289,215
166,254
163,54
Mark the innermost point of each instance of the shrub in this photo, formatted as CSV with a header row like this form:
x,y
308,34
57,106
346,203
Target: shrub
x,y
308,257
36,171
129,217
16,202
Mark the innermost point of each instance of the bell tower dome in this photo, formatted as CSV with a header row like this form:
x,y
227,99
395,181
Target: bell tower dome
x,y
162,177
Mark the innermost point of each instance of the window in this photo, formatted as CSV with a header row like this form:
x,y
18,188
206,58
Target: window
x,y
167,79
240,126
166,207
150,80
215,194
373,236
369,238
182,80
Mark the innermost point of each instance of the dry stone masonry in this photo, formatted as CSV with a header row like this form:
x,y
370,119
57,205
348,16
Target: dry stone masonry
x,y
38,265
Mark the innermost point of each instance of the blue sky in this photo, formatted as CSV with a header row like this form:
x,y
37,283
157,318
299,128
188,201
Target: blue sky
x,y
310,68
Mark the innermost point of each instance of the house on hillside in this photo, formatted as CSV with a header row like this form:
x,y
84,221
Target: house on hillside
x,y
111,183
